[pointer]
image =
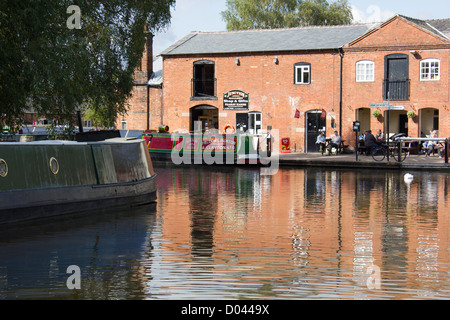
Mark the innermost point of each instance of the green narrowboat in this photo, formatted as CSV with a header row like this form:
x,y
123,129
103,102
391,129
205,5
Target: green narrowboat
x,y
45,179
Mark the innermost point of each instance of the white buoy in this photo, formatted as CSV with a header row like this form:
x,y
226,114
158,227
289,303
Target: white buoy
x,y
408,178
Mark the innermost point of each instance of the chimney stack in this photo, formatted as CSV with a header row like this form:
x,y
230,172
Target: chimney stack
x,y
148,53
145,69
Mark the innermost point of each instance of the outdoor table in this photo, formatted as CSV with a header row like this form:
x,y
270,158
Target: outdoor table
x,y
442,141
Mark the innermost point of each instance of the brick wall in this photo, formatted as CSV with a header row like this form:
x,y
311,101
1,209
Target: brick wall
x,y
272,90
144,106
136,117
398,37
270,87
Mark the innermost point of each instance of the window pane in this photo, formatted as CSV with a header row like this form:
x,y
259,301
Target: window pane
x,y
299,75
302,74
306,76
369,74
429,69
251,122
365,71
360,72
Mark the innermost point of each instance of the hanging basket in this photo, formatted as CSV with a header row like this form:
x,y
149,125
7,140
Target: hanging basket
x,y
376,113
411,114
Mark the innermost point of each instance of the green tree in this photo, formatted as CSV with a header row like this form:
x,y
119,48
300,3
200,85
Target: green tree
x,y
54,69
268,14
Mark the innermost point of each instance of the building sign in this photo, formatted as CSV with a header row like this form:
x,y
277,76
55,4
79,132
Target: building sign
x,y
235,100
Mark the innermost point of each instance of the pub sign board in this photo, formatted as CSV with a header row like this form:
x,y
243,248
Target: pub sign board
x,y
235,100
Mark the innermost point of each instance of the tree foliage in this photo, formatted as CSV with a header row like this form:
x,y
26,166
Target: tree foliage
x,y
268,14
54,70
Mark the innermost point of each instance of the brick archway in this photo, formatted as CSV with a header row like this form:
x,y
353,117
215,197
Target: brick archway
x,y
205,115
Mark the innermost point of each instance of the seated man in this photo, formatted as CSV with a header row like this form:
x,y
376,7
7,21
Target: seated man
x,y
380,136
370,142
434,145
335,142
321,142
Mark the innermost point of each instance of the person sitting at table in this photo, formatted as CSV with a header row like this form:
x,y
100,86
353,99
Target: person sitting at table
x,y
321,142
434,145
335,142
370,142
380,135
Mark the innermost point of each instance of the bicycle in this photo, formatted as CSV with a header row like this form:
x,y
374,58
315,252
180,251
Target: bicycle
x,y
380,152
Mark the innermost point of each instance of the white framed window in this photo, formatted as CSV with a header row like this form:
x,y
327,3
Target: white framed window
x,y
255,122
430,70
302,73
365,71
123,125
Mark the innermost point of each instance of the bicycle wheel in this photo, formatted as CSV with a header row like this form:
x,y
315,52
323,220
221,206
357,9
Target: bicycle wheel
x,y
399,157
378,154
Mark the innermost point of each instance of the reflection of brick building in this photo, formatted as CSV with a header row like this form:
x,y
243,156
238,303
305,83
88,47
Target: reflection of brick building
x,y
340,70
308,225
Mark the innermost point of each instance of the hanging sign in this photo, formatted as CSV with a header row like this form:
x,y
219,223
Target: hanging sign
x,y
235,100
324,114
297,114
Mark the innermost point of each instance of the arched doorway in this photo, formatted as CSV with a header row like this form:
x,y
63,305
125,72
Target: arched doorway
x,y
398,122
204,115
429,120
363,116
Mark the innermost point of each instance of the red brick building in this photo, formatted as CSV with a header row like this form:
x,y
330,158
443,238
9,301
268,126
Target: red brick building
x,y
409,59
305,80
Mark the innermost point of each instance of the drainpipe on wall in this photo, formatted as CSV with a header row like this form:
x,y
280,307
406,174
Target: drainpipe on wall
x,y
162,103
341,55
148,108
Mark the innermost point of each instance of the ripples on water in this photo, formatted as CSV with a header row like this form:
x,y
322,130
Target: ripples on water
x,y
229,233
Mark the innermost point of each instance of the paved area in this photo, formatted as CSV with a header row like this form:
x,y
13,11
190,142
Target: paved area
x,y
346,161
420,162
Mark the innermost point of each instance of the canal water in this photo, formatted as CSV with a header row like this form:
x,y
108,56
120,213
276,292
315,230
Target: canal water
x,y
231,233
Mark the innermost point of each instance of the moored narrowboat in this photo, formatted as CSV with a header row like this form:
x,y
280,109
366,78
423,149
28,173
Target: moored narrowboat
x,y
46,179
202,148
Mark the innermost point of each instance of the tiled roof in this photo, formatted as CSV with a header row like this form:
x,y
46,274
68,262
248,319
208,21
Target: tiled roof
x,y
157,77
292,39
268,40
443,25
436,27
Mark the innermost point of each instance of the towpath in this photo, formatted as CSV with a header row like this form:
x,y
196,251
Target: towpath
x,y
416,162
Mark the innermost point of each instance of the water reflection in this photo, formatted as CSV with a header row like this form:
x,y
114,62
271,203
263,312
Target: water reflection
x,y
34,259
313,233
230,233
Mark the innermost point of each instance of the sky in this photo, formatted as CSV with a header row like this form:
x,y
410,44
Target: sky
x,y
204,15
